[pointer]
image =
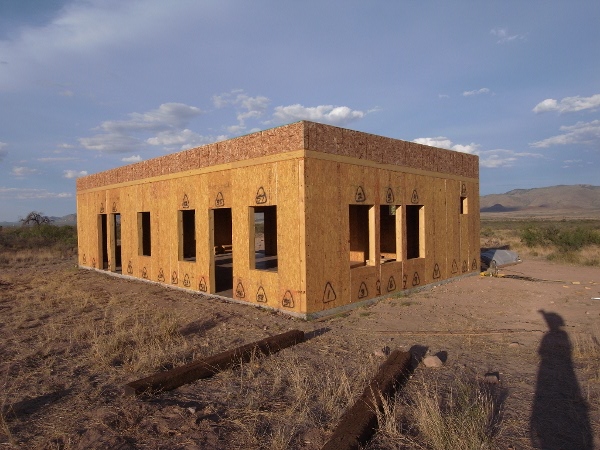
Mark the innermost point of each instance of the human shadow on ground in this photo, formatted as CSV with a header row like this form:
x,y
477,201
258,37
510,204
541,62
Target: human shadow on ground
x,y
559,416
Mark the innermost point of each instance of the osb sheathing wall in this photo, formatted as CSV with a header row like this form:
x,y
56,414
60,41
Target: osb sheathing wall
x,y
312,173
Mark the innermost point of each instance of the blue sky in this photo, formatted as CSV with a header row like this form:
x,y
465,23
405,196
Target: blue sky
x,y
87,85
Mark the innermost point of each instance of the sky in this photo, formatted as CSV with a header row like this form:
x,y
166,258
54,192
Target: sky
x,y
89,85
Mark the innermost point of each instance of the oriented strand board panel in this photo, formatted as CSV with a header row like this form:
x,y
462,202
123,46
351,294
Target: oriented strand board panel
x,y
440,270
327,253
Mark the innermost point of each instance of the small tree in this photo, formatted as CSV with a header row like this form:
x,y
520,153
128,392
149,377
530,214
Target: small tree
x,y
35,218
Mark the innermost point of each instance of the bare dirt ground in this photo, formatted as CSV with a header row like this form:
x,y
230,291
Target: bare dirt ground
x,y
71,338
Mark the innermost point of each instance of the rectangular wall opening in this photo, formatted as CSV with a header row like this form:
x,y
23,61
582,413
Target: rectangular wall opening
x,y
187,234
222,240
387,233
144,234
264,231
464,205
102,242
415,231
361,224
116,242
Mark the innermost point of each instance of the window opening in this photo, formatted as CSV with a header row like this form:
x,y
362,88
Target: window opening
x,y
361,238
387,232
187,235
264,227
144,234
464,205
415,231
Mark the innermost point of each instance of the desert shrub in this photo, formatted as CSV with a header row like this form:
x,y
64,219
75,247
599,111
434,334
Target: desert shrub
x,y
36,237
566,239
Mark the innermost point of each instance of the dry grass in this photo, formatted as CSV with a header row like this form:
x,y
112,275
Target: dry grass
x,y
75,339
435,414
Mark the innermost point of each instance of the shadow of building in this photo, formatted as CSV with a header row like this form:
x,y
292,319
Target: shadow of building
x,y
559,417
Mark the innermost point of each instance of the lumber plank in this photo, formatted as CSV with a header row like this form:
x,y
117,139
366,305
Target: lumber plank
x,y
207,367
358,424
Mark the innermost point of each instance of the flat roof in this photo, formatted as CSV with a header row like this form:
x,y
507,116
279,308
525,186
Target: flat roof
x,y
303,135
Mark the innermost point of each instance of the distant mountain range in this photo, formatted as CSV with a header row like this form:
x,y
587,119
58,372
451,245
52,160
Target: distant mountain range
x,y
581,200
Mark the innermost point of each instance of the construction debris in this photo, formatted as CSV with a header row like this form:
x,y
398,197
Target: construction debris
x,y
206,368
358,424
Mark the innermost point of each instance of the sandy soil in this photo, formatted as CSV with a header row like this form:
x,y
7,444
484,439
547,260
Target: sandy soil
x,y
58,388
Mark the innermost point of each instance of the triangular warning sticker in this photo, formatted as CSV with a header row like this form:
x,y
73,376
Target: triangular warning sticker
x,y
416,281
261,296
454,266
288,300
362,290
185,202
360,195
389,196
391,286
219,201
465,266
378,287
261,196
329,293
202,285
436,271
239,290
414,199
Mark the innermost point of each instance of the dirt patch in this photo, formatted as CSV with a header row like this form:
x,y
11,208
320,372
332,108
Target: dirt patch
x,y
72,338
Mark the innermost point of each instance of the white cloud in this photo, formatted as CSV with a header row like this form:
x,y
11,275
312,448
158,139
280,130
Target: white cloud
x,y
132,159
580,133
22,171
444,142
334,115
487,158
26,194
167,122
66,93
82,31
476,92
74,173
568,104
504,37
247,107
181,139
443,96
3,151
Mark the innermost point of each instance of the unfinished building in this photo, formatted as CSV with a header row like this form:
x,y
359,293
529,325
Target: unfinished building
x,y
305,218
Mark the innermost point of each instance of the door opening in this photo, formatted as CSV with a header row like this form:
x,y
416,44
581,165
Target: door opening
x,y
102,242
116,243
222,240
